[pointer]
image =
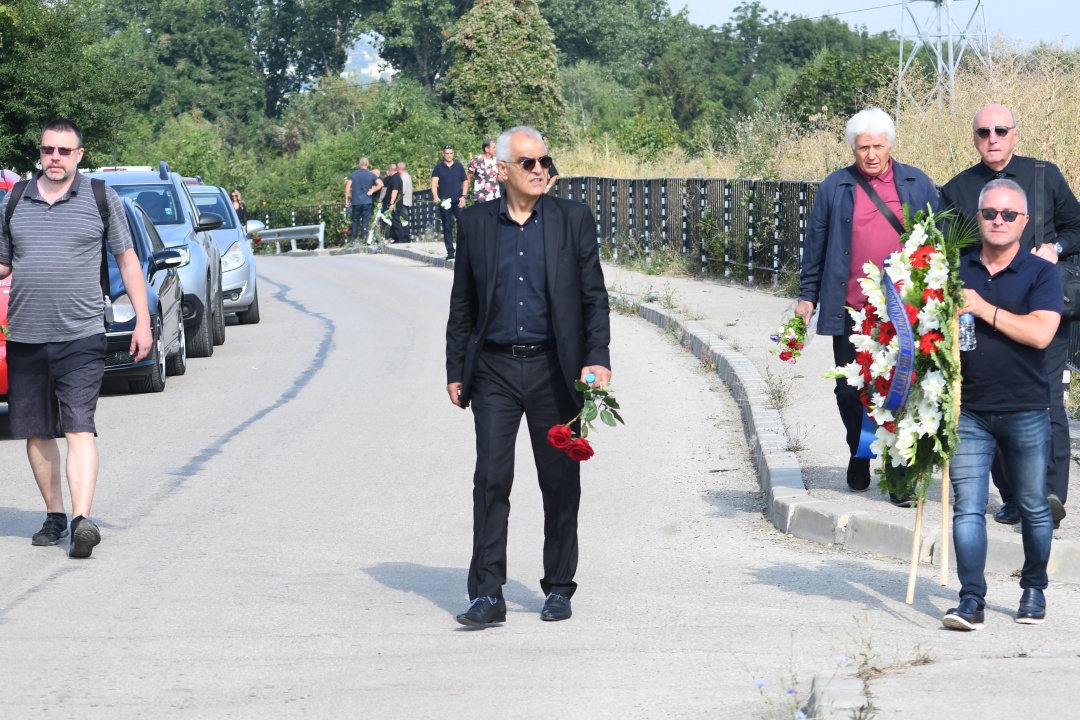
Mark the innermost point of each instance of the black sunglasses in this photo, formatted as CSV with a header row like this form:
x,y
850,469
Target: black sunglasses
x,y
1000,130
48,150
1006,215
527,164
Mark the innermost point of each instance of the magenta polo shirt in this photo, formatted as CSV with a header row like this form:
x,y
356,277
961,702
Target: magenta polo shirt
x,y
873,238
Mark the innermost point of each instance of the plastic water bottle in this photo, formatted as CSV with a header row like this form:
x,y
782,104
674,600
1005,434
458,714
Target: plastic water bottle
x,y
967,331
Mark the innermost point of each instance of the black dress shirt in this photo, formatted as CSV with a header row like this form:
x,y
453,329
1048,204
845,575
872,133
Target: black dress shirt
x,y
1061,211
521,314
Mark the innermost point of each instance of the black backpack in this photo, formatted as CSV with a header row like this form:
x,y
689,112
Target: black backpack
x,y
98,188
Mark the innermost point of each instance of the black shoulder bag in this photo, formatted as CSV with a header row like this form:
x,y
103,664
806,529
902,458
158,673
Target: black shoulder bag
x,y
1070,271
869,190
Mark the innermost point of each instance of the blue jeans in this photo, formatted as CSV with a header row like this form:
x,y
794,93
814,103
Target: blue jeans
x,y
1024,440
361,214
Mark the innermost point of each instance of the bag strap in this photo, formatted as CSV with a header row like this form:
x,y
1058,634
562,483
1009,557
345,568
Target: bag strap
x,y
98,188
885,211
1040,173
13,199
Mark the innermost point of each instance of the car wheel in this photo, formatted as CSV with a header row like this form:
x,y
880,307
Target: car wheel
x,y
154,381
219,320
200,340
251,315
177,363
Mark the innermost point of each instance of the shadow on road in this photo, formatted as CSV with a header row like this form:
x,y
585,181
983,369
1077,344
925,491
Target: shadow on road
x,y
445,587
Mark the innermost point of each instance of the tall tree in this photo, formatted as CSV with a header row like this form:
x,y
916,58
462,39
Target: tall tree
x,y
505,69
49,67
412,34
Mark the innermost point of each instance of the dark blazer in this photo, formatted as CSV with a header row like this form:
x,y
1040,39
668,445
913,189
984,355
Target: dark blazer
x,y
575,282
826,259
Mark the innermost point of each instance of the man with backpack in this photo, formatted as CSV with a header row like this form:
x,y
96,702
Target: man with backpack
x,y
55,232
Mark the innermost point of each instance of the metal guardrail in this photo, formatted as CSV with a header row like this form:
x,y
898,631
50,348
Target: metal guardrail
x,y
292,234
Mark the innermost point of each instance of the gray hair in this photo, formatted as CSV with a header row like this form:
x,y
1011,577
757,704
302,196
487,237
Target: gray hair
x,y
873,122
502,145
401,167
1004,184
364,162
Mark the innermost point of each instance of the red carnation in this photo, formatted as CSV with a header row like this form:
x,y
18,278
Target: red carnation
x,y
928,342
929,295
786,355
580,450
560,437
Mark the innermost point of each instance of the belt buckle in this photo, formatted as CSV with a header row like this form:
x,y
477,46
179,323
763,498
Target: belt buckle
x,y
514,351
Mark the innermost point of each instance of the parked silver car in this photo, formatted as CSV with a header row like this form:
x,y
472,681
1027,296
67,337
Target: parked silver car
x,y
164,197
238,281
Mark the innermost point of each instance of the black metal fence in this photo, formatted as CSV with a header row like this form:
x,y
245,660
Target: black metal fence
x,y
751,230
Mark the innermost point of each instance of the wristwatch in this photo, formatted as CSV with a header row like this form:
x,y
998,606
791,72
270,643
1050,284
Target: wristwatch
x,y
1058,249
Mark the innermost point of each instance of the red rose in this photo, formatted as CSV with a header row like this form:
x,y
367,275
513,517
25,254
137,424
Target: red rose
x,y
928,342
785,356
580,450
560,437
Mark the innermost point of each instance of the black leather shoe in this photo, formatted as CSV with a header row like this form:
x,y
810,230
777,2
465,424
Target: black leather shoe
x,y
907,500
1032,607
1009,514
967,616
556,607
484,611
858,474
1057,510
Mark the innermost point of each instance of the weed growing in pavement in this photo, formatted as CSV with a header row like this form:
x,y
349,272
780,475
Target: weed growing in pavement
x,y
667,298
795,439
785,706
866,712
779,389
623,301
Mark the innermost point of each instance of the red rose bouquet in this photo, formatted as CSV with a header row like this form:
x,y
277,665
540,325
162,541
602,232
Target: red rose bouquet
x,y
600,405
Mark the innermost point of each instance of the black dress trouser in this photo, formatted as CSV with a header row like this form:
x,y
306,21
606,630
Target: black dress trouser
x,y
847,397
503,389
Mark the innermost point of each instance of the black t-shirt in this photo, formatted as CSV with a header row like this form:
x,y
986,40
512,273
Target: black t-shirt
x,y
392,183
450,179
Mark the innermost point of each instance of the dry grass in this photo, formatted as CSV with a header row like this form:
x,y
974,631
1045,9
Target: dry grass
x,y
1041,86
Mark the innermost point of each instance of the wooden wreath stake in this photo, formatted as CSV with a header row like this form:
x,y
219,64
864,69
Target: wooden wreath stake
x,y
954,328
916,542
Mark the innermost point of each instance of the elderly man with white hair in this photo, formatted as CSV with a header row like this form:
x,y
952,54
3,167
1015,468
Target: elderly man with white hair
x,y
857,218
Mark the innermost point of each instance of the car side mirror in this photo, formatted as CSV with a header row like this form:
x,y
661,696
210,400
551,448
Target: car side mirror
x,y
165,259
254,227
209,221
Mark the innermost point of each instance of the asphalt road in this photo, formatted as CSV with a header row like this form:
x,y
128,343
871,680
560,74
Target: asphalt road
x,y
286,531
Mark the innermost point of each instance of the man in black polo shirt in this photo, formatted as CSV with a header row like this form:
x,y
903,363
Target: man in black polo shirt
x,y
996,136
1016,298
449,185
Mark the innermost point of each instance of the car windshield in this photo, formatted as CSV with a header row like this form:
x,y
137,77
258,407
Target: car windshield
x,y
159,201
214,203
3,194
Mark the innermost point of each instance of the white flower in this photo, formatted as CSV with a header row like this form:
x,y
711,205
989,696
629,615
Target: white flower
x,y
857,315
938,272
929,419
916,239
933,386
884,441
445,203
928,316
864,343
853,374
882,365
880,415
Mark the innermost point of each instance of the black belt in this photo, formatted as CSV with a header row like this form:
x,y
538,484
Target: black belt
x,y
521,351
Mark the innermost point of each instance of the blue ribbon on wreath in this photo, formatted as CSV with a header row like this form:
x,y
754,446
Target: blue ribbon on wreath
x,y
900,387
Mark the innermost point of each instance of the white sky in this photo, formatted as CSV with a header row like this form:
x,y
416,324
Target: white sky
x,y
1028,21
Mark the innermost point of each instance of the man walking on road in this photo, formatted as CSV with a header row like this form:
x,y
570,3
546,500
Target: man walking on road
x,y
54,239
361,185
1053,234
1017,299
484,174
449,186
393,204
528,317
856,218
406,200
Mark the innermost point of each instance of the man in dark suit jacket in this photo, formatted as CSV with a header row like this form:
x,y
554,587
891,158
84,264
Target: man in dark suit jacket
x,y
528,317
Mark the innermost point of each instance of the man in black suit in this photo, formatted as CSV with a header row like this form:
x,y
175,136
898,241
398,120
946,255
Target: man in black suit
x,y
528,317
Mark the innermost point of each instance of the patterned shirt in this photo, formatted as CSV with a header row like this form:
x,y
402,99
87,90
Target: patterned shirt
x,y
485,178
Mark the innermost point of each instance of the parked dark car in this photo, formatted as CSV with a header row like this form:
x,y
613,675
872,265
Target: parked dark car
x,y
165,299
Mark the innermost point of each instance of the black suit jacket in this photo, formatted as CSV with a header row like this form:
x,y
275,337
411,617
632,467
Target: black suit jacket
x,y
579,299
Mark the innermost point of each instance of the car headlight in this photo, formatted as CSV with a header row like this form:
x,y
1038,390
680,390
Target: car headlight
x,y
185,254
122,309
233,258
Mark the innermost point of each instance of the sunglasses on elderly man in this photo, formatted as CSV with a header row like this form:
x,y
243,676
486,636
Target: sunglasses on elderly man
x,y
49,149
1000,131
527,164
1006,215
